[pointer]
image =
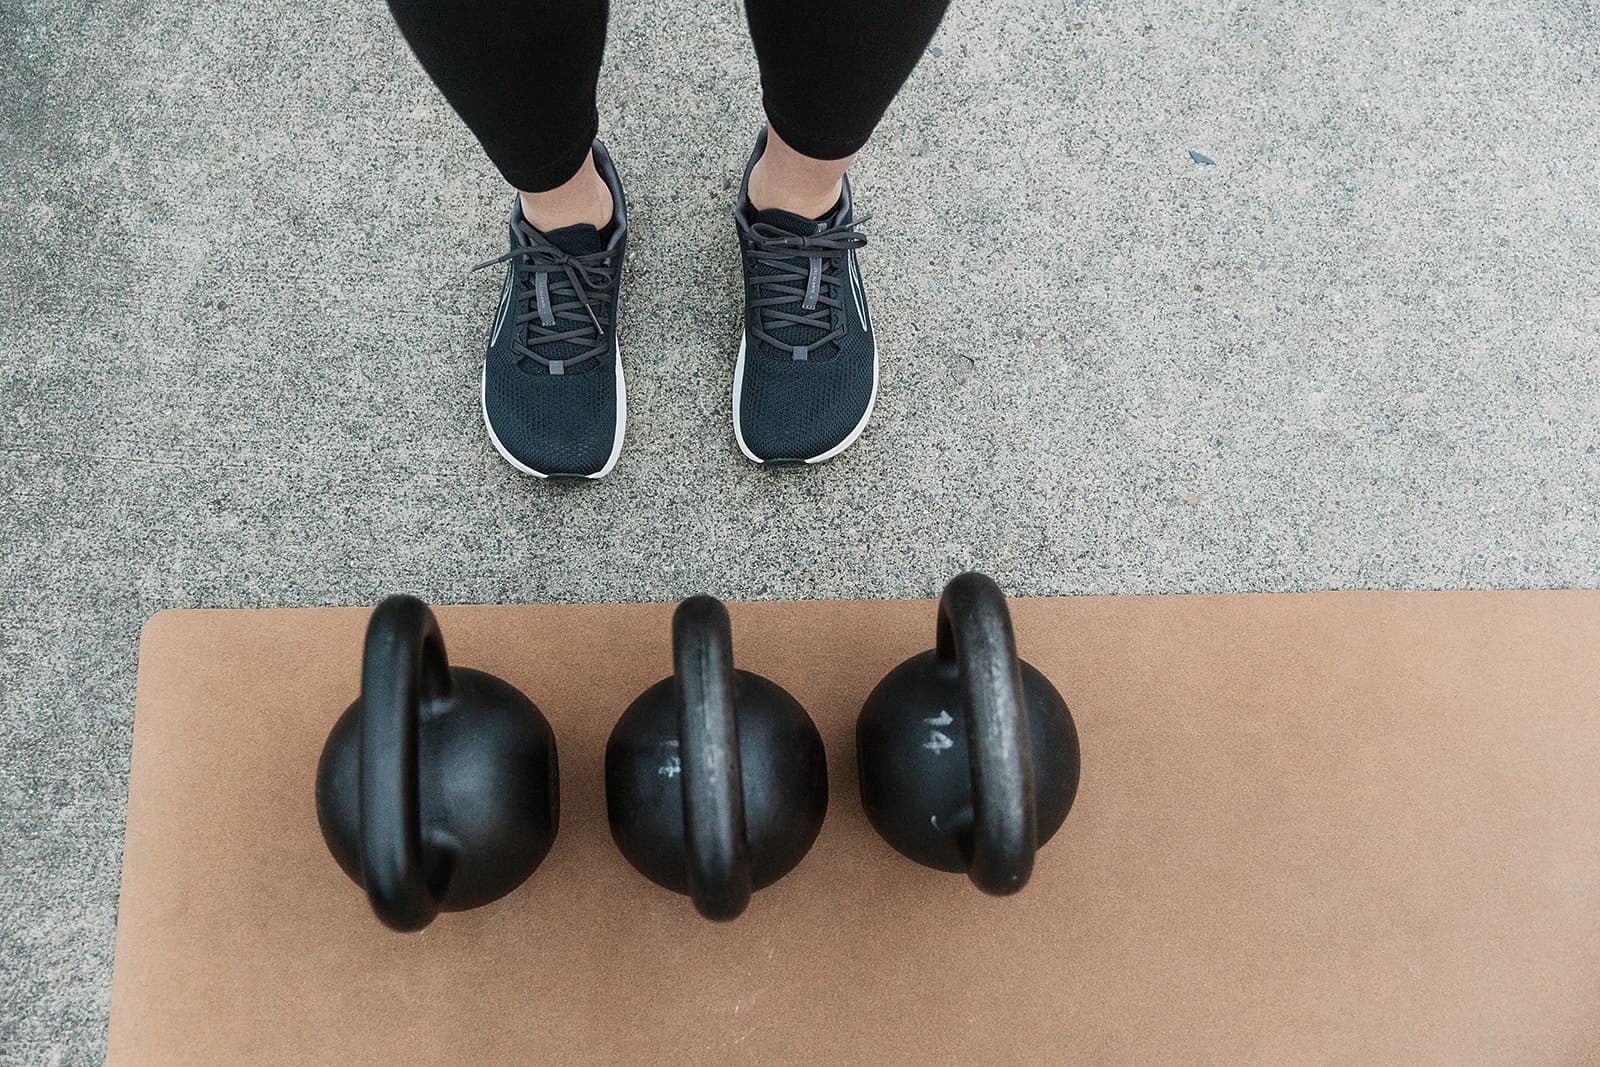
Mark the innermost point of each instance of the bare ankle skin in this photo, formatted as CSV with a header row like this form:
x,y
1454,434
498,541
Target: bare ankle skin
x,y
584,197
783,178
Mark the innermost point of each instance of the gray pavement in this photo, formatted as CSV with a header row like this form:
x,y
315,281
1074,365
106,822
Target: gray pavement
x,y
239,344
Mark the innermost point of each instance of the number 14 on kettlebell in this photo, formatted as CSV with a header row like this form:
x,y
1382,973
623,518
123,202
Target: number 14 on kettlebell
x,y
967,756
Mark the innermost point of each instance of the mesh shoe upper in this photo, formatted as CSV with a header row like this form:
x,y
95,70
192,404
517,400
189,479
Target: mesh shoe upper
x,y
557,425
794,411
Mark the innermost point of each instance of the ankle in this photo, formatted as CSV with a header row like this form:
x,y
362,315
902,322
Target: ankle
x,y
809,201
585,198
789,181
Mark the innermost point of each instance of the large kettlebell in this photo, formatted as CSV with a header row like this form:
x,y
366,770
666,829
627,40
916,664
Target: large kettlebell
x,y
967,756
716,779
437,789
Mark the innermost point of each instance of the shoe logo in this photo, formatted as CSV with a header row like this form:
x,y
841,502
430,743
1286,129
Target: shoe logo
x,y
857,294
500,315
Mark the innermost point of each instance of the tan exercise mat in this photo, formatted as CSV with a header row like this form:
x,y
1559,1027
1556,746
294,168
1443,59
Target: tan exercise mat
x,y
1330,828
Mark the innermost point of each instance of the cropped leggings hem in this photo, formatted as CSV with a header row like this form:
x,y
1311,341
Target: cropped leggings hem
x,y
532,175
809,142
522,74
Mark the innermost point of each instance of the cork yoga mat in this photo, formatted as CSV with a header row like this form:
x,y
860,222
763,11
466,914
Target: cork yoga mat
x,y
1342,827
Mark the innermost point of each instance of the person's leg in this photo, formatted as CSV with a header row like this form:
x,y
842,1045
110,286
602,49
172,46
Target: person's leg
x,y
829,70
807,371
784,178
522,76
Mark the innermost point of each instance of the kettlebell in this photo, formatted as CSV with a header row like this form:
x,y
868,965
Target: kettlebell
x,y
437,789
967,756
716,779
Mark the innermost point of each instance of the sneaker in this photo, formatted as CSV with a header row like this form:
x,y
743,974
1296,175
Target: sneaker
x,y
554,400
807,374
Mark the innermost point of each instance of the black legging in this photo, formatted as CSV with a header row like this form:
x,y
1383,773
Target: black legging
x,y
522,73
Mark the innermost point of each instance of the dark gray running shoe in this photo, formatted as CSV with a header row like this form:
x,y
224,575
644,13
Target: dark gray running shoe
x,y
807,374
554,400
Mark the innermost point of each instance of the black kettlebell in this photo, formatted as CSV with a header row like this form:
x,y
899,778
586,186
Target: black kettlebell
x,y
716,779
968,757
437,789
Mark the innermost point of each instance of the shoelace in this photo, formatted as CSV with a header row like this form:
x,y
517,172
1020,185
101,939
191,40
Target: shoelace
x,y
544,274
796,287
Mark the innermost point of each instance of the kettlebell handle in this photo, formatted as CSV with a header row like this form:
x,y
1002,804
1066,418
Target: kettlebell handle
x,y
708,754
974,634
403,665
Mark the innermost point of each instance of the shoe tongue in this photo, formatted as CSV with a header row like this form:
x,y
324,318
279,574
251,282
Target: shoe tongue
x,y
576,240
789,222
800,226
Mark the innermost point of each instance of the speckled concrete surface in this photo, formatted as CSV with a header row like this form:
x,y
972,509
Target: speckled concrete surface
x,y
239,344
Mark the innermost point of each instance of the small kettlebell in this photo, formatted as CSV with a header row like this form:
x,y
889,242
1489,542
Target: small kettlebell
x,y
967,756
437,789
716,779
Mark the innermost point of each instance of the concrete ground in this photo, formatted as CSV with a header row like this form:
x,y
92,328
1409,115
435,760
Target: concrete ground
x,y
1173,296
